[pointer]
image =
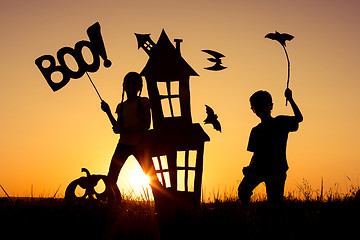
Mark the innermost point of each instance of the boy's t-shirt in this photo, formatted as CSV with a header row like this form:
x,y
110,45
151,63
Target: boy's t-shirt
x,y
132,118
268,143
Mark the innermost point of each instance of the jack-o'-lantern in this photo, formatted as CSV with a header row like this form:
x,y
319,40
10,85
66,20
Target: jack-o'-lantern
x,y
88,185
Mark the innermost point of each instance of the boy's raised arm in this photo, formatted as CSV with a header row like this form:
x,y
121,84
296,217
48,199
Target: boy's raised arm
x,y
289,97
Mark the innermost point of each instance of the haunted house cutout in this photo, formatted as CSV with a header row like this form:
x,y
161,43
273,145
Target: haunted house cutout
x,y
175,144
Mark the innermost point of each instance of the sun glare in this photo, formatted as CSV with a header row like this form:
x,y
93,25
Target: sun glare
x,y
133,182
138,179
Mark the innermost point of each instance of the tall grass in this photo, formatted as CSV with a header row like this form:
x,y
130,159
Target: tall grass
x,y
308,213
305,192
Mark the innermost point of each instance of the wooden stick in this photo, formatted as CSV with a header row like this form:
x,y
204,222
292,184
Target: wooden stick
x,y
288,75
94,86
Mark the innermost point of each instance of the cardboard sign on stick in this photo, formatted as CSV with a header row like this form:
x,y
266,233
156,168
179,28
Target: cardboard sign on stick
x,y
95,45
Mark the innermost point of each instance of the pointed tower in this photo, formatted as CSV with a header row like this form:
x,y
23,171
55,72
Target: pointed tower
x,y
145,42
176,144
167,76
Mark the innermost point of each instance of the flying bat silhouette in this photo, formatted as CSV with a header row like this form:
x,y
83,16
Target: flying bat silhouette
x,y
212,118
216,60
280,37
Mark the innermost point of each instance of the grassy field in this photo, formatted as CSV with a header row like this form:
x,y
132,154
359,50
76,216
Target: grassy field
x,y
310,214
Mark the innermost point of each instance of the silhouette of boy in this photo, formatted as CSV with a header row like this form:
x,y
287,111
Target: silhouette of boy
x,y
268,143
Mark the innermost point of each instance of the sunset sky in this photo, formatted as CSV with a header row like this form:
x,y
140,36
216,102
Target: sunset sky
x,y
47,137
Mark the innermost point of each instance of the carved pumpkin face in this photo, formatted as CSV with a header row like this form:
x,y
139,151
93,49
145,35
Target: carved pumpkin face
x,y
88,184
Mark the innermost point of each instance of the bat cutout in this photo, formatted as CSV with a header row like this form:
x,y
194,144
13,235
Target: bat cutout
x,y
212,118
216,60
280,37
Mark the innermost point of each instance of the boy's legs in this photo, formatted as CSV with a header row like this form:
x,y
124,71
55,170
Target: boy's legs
x,y
250,181
275,191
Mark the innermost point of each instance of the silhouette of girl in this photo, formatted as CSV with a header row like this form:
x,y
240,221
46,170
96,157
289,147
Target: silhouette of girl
x,y
132,122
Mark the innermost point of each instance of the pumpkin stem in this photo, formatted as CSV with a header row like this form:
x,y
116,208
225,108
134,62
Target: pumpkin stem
x,y
86,171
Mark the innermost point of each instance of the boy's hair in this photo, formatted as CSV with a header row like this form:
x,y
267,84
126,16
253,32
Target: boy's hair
x,y
260,99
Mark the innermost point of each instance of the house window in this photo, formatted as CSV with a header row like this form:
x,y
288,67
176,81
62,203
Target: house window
x,y
186,166
192,158
170,98
191,181
148,45
162,170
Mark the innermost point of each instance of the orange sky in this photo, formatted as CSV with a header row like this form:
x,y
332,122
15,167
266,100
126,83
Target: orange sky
x,y
46,137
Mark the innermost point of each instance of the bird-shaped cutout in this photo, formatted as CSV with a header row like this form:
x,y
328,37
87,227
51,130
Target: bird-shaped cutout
x,y
212,118
280,37
216,60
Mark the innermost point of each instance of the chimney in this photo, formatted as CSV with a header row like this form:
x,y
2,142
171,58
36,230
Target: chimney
x,y
178,41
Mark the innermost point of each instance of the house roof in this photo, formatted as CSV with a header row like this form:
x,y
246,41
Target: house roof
x,y
166,62
176,137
